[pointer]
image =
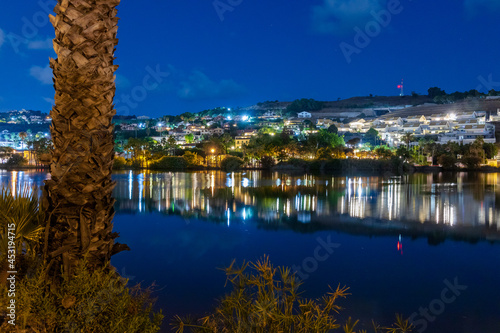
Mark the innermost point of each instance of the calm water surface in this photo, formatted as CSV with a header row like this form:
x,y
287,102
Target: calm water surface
x,y
396,240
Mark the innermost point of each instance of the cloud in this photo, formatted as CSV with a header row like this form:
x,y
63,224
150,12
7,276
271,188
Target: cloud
x,y
42,74
475,7
199,86
49,100
339,17
2,37
41,44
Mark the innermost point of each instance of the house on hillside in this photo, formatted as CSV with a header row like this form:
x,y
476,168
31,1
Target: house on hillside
x,y
324,123
297,121
184,123
411,128
35,119
379,127
469,134
495,117
424,129
460,124
247,132
480,114
240,141
204,131
437,117
128,127
393,121
216,131
465,115
343,128
304,114
485,130
436,127
392,139
367,125
419,119
269,115
4,142
357,125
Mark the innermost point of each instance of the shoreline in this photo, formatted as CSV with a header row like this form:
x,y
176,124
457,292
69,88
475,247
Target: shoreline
x,y
287,168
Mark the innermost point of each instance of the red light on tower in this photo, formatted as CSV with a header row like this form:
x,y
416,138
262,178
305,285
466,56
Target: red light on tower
x,y
400,245
400,86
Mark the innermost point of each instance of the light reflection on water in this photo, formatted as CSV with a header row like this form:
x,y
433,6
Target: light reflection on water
x,y
466,200
453,200
17,181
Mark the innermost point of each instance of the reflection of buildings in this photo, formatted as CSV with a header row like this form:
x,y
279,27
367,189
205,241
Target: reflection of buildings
x,y
413,201
16,181
418,198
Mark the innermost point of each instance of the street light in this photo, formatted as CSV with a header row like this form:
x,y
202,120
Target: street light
x,y
213,152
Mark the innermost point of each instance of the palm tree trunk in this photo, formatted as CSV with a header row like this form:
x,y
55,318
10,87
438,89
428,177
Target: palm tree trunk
x,y
78,197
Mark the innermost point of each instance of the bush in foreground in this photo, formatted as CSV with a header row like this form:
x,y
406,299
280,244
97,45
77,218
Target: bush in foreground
x,y
267,299
89,301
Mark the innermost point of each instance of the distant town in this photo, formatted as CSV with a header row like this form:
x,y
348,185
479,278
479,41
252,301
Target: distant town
x,y
363,124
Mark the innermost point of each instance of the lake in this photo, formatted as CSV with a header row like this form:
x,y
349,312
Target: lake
x,y
426,245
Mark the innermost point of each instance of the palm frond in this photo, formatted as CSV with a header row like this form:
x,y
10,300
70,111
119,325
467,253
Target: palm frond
x,y
20,210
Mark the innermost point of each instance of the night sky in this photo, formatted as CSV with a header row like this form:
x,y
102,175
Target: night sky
x,y
196,55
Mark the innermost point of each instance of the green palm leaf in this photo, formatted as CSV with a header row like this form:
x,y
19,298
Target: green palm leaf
x,y
20,209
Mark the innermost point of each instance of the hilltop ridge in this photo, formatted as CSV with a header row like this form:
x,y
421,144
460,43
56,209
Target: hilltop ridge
x,y
386,106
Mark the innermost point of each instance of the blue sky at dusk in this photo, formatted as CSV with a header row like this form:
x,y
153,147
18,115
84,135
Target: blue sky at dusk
x,y
179,56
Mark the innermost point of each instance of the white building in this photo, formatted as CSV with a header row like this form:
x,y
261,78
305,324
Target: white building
x,y
128,127
411,127
304,114
324,123
438,117
416,119
436,127
393,121
357,125
496,117
216,131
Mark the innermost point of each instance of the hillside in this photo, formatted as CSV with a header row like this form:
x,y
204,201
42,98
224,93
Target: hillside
x,y
376,102
462,106
392,106
351,105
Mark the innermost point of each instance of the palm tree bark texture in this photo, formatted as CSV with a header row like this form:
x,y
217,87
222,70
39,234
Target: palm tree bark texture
x,y
78,198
